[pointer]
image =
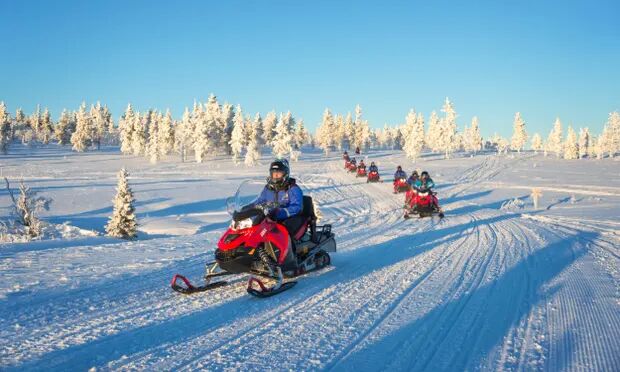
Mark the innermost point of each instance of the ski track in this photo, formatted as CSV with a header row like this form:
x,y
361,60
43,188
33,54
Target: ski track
x,y
432,295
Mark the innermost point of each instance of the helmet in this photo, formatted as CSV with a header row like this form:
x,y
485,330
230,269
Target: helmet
x,y
424,174
399,168
415,173
372,163
346,153
282,166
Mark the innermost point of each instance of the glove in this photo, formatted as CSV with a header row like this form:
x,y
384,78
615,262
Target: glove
x,y
273,213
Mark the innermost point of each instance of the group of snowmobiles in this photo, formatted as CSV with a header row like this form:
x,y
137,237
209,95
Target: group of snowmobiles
x,y
259,245
420,200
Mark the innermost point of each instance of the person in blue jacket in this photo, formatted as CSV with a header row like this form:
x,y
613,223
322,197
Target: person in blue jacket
x,y
373,167
282,190
400,173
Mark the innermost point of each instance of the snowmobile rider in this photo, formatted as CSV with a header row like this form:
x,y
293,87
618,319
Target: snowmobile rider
x,y
353,162
283,190
345,156
357,150
413,178
400,173
373,167
361,165
424,183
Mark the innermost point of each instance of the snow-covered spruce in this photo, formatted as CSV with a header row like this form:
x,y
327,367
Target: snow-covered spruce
x,y
519,136
5,128
123,223
282,140
238,137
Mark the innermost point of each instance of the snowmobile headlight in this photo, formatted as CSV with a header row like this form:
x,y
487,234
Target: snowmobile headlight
x,y
243,224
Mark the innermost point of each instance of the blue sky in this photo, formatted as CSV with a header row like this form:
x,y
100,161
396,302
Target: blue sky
x,y
492,58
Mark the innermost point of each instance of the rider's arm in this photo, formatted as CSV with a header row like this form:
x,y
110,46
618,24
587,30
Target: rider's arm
x,y
295,203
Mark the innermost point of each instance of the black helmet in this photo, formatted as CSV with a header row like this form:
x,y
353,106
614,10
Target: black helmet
x,y
425,173
282,166
399,168
372,163
346,153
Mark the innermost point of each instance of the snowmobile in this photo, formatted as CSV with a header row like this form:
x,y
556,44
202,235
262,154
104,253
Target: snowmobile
x,y
373,177
361,172
347,163
401,185
256,245
424,203
352,168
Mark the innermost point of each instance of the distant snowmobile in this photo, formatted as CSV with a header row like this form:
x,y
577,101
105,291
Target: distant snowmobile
x,y
373,177
424,203
401,185
256,245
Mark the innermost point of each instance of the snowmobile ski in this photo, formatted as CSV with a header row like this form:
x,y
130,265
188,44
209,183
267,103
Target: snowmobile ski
x,y
189,288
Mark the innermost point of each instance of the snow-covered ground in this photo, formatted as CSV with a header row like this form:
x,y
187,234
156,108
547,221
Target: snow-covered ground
x,y
496,285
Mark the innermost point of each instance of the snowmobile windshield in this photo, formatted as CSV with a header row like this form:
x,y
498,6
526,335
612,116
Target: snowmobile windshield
x,y
246,194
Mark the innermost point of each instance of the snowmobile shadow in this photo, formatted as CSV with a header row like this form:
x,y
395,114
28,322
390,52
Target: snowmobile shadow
x,y
425,344
202,206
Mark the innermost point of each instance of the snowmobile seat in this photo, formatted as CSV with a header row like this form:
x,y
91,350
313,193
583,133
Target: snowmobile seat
x,y
310,219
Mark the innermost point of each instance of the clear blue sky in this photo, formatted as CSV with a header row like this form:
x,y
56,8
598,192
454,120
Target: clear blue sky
x,y
492,58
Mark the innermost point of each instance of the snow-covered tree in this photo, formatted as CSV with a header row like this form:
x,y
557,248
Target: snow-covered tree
x,y
554,141
35,122
269,125
324,136
433,134
537,143
166,134
282,141
613,133
123,223
472,140
20,125
81,138
584,142
5,128
47,127
448,138
126,127
65,128
299,135
99,124
238,138
140,133
257,126
183,134
252,154
519,135
413,134
26,208
153,144
339,132
571,150
349,132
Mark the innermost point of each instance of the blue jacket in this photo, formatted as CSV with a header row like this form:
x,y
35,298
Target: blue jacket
x,y
400,174
429,184
373,168
290,199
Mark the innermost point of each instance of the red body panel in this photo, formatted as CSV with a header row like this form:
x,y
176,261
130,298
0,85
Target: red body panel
x,y
424,200
373,176
361,172
266,231
400,184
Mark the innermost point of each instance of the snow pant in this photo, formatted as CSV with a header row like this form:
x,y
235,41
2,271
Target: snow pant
x,y
293,224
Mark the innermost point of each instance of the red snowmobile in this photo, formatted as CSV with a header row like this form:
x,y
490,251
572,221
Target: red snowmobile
x,y
401,185
373,177
361,172
256,245
424,203
352,168
347,163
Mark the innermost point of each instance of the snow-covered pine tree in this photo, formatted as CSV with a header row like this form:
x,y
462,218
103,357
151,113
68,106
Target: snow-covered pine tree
x,y
215,131
269,125
227,125
448,141
166,134
289,121
47,127
111,131
473,138
571,150
123,223
35,122
65,128
299,136
324,135
433,132
153,145
126,127
140,133
339,132
613,125
5,129
554,141
537,143
519,135
81,138
282,141
20,124
584,142
238,137
257,126
349,131
413,135
252,154
99,124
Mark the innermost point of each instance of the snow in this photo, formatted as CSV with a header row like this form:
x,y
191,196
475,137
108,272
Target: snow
x,y
497,284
